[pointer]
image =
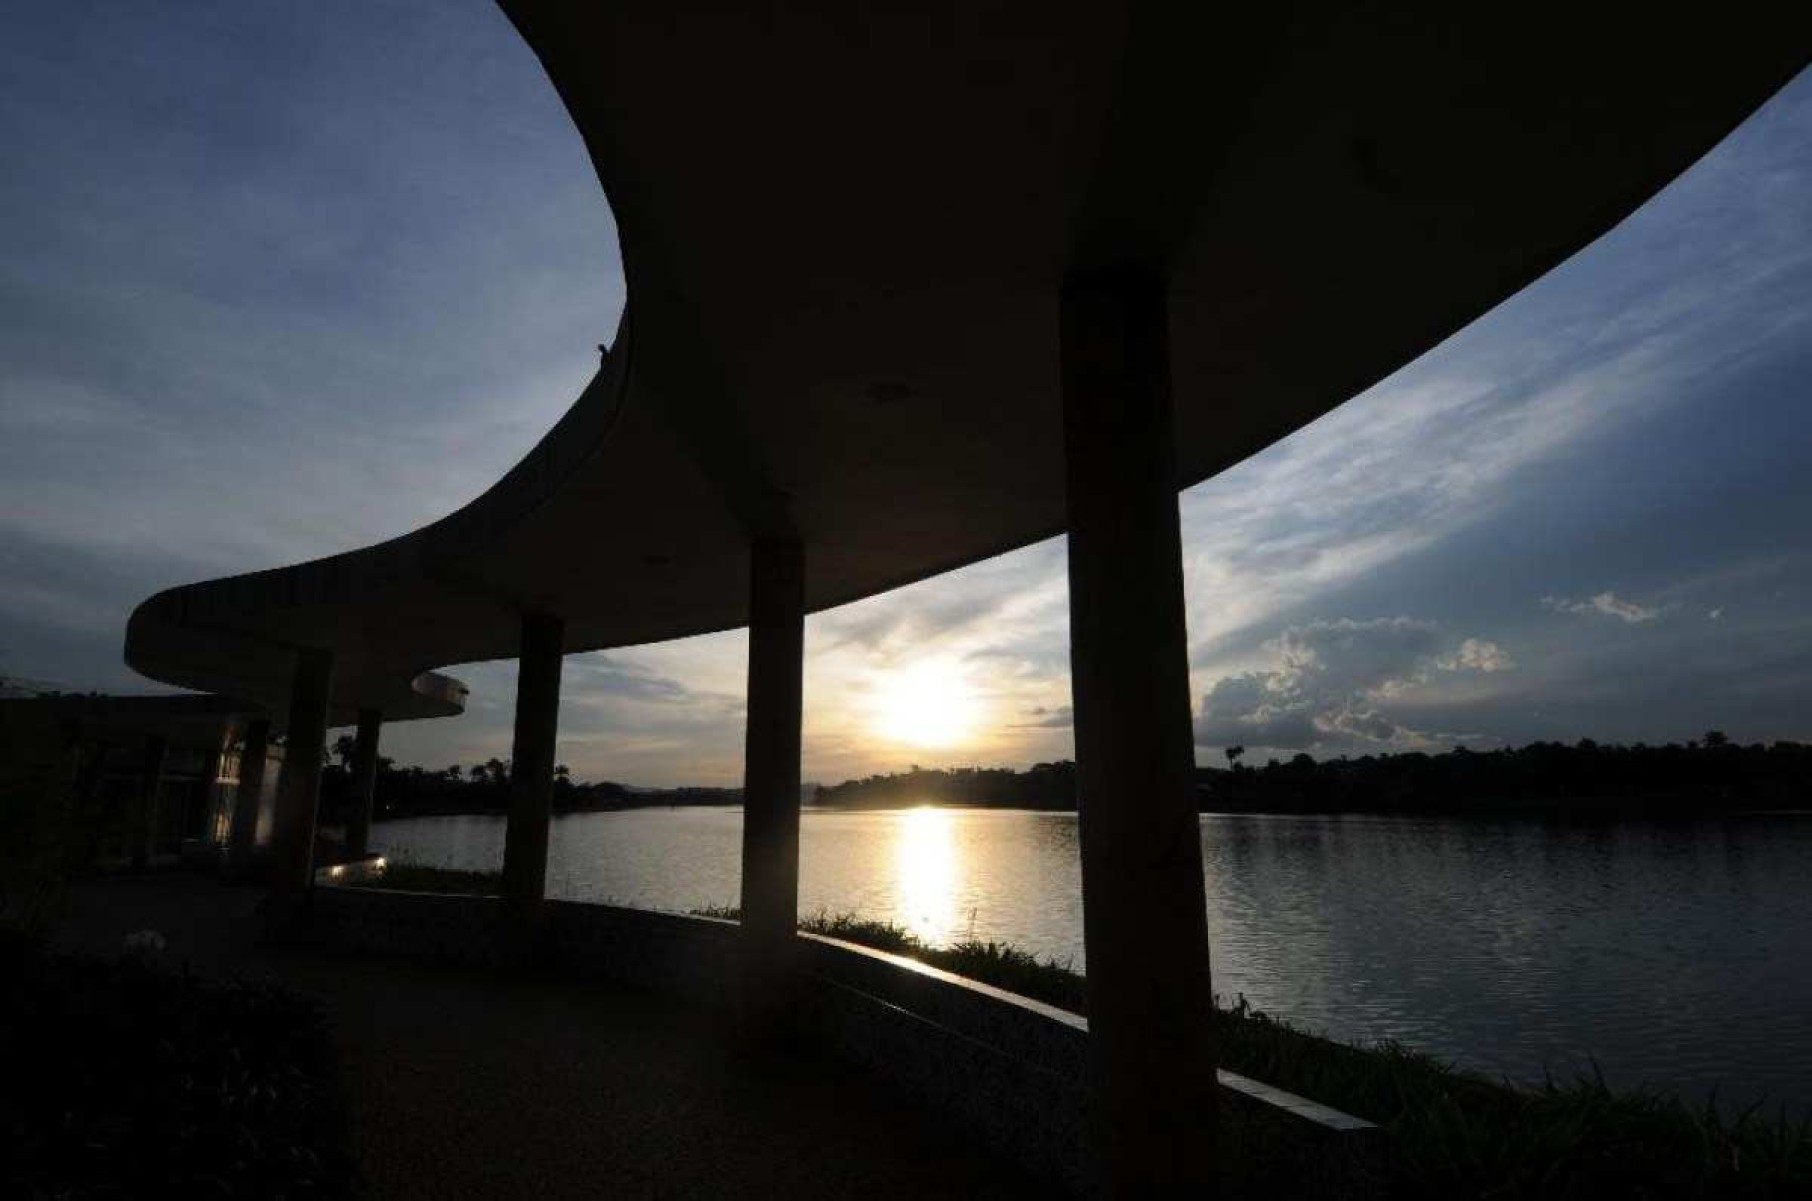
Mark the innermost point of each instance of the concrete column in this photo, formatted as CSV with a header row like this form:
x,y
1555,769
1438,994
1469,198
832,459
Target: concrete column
x,y
242,836
532,770
1144,912
364,781
299,784
144,817
770,805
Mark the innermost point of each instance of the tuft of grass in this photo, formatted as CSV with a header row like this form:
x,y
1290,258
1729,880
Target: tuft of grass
x,y
1017,971
1454,1134
994,963
419,877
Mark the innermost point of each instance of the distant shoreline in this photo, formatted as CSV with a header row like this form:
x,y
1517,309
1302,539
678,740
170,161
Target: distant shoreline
x,y
654,801
1585,781
1542,810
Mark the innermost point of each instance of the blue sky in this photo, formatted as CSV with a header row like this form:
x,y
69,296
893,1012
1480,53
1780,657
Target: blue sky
x,y
278,281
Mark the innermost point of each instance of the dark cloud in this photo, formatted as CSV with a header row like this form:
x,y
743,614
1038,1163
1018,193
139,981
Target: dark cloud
x,y
594,676
1040,717
1333,684
63,608
883,627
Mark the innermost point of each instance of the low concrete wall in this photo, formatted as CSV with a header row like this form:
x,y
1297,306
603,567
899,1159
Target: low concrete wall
x,y
1017,1069
690,957
1010,1070
421,926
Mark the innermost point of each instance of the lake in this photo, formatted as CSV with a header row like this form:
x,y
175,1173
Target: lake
x,y
1675,954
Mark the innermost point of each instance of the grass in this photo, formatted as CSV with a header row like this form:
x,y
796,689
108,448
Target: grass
x,y
1453,1134
994,963
419,877
124,1079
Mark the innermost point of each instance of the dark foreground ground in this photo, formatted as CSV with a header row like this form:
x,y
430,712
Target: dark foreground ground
x,y
460,1083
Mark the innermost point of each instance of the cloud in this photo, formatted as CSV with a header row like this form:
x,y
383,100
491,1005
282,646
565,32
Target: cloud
x,y
310,324
979,609
1333,682
1041,717
1607,604
1663,310
612,702
1477,655
602,675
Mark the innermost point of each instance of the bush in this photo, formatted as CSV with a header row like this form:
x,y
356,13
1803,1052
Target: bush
x,y
125,1079
37,810
419,877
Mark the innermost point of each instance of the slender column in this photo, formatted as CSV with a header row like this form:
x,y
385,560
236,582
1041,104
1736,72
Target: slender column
x,y
532,769
299,784
243,834
1144,912
210,770
770,815
364,781
144,818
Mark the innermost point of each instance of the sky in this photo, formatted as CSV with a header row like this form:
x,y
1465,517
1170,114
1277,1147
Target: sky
x,y
278,281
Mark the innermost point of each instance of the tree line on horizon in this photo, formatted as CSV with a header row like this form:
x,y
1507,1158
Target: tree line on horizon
x,y
1586,778
415,791
1041,786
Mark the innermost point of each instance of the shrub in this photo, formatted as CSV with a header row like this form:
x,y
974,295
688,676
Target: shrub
x,y
125,1079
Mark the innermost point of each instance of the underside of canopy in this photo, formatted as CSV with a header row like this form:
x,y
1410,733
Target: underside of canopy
x,y
844,230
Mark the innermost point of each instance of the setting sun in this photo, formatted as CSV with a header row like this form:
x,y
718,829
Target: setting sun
x,y
929,704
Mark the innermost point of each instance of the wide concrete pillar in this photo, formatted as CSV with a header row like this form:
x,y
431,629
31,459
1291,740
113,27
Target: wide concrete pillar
x,y
770,813
145,814
532,768
242,833
364,781
299,783
1144,912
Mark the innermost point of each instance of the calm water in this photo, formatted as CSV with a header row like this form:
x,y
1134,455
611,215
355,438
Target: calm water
x,y
1675,954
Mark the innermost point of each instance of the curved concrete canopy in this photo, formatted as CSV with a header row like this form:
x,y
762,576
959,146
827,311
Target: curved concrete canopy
x,y
843,231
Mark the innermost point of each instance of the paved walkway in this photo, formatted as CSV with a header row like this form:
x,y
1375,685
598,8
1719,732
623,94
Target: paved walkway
x,y
468,1084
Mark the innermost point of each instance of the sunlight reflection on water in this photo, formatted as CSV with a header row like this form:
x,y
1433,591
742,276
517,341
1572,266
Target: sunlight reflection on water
x,y
925,865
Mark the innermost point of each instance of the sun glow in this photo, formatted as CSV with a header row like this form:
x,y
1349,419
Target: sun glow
x,y
929,704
